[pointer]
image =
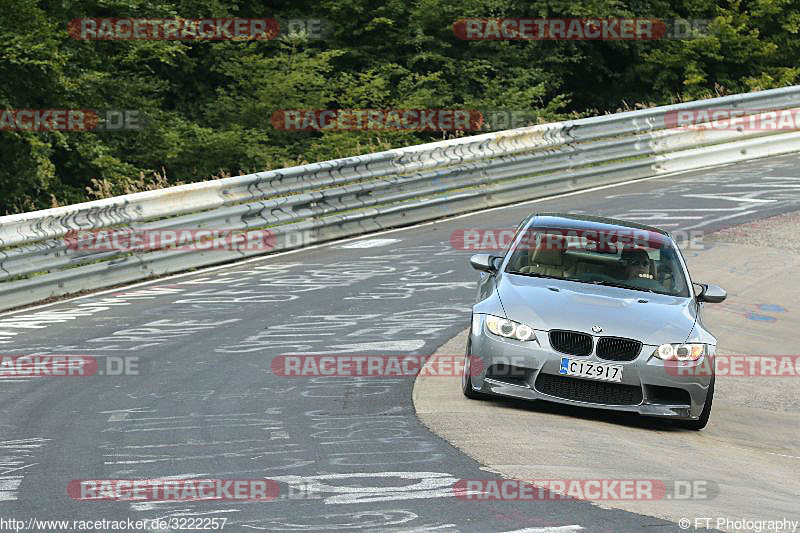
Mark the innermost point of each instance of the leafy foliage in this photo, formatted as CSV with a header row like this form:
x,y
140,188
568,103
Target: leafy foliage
x,y
208,103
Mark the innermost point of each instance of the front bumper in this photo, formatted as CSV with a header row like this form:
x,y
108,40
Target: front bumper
x,y
646,386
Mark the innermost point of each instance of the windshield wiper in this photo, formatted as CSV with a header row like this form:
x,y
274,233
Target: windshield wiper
x,y
618,285
595,282
533,275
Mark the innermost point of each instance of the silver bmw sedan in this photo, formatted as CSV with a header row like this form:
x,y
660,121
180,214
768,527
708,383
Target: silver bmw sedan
x,y
594,312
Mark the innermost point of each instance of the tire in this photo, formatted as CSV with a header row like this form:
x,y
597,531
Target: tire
x,y
701,422
466,379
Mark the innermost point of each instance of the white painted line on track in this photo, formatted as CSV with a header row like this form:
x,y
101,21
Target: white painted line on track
x,y
730,198
557,529
671,217
9,485
394,346
369,243
760,185
691,209
422,529
784,455
706,222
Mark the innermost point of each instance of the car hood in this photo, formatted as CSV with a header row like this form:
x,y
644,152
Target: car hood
x,y
546,304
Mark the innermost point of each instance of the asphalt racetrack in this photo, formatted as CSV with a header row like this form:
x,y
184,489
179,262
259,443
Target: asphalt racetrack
x,y
207,405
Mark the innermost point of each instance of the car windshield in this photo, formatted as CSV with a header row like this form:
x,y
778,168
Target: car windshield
x,y
651,266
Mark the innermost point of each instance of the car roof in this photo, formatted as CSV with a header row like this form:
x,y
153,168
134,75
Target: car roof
x,y
587,222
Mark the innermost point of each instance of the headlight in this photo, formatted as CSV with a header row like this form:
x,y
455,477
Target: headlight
x,y
509,329
680,352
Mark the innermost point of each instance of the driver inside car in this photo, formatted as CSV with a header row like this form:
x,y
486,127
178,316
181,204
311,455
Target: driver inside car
x,y
636,264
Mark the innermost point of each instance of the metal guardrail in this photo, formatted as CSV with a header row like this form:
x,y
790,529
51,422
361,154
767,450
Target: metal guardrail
x,y
355,195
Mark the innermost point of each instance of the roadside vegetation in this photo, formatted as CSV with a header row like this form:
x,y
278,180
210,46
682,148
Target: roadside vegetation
x,y
208,104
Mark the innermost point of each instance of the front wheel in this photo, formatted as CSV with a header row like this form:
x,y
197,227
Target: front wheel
x,y
466,378
701,422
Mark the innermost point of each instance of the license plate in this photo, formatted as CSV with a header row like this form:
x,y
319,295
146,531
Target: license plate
x,y
590,370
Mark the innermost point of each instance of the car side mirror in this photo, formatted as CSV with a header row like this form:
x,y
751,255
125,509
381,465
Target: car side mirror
x,y
484,262
711,294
